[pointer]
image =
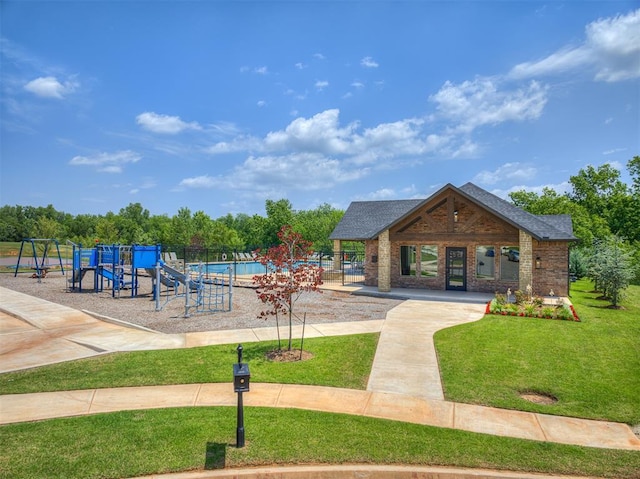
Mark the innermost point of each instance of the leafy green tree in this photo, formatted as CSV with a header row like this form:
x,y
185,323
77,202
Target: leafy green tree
x,y
578,262
159,229
10,228
633,165
279,213
47,228
182,229
611,268
316,225
586,226
107,230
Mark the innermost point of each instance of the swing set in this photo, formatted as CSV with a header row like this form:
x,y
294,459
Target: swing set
x,y
41,263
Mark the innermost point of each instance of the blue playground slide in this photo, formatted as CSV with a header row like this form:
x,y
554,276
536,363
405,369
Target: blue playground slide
x,y
118,282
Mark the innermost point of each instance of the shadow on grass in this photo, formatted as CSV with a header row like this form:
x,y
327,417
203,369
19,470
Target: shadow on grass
x,y
216,455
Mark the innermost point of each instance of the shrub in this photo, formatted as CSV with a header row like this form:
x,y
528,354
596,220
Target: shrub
x,y
564,313
547,312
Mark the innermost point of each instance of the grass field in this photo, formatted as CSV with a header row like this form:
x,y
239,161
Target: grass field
x,y
591,367
339,361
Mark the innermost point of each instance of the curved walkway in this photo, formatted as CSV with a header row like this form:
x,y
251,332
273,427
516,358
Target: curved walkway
x,y
35,330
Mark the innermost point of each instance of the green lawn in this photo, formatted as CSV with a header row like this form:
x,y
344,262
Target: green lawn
x,y
339,361
592,367
134,443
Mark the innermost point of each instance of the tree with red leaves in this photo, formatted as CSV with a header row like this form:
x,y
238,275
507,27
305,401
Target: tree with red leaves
x,y
288,275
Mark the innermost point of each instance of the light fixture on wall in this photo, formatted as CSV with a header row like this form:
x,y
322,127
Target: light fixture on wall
x,y
455,216
538,262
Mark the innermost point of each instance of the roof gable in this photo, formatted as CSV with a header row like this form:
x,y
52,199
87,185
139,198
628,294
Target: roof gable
x,y
365,220
541,227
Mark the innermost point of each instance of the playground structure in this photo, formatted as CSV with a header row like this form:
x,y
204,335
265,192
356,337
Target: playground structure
x,y
202,292
40,265
119,265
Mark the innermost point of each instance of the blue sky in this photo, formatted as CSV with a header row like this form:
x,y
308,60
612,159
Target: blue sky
x,y
219,105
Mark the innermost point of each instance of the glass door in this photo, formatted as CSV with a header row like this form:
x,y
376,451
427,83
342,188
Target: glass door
x,y
456,267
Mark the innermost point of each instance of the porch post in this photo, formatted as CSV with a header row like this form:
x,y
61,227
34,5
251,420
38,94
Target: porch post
x,y
525,272
384,262
337,250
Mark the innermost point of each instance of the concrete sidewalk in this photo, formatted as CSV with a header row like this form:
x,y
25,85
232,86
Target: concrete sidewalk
x,y
397,407
406,361
34,332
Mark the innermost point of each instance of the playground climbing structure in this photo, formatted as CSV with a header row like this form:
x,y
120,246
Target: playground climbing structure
x,y
202,292
118,265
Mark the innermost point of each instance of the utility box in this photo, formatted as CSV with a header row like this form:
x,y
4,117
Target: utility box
x,y
241,377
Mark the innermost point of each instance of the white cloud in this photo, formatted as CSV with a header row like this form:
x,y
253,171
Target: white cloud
x,y
261,103
50,87
300,66
614,151
164,124
381,194
240,143
480,102
357,84
261,70
321,84
560,188
147,183
507,172
107,162
319,56
611,48
368,62
323,134
320,133
204,181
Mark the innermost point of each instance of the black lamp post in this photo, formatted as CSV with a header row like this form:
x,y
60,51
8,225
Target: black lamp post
x,y
241,378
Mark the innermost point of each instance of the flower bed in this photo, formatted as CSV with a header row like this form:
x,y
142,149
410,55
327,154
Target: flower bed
x,y
535,308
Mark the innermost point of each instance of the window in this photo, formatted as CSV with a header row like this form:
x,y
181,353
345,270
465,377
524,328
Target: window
x,y
485,262
429,260
509,263
408,260
419,261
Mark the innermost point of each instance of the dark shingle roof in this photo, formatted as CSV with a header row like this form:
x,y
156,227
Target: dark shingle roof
x,y
542,227
367,219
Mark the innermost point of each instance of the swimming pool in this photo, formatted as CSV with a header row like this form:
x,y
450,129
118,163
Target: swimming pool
x,y
241,267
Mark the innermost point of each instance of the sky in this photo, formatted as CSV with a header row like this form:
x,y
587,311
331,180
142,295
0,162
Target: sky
x,y
218,106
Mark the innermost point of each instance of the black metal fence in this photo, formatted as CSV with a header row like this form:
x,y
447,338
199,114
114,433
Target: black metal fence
x,y
342,267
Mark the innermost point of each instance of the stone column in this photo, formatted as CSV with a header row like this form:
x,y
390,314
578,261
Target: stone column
x,y
337,248
526,261
384,262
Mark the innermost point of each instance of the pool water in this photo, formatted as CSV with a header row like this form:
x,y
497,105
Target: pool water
x,y
242,267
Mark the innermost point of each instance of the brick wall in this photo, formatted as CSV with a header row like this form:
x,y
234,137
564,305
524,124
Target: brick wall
x,y
553,273
436,225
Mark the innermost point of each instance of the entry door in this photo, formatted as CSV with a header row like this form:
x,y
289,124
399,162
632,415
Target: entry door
x,y
456,269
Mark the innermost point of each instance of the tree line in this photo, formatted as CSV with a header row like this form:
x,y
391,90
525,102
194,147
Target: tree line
x,y
134,224
600,203
606,219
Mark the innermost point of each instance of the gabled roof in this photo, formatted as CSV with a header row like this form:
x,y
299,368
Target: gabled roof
x,y
365,220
